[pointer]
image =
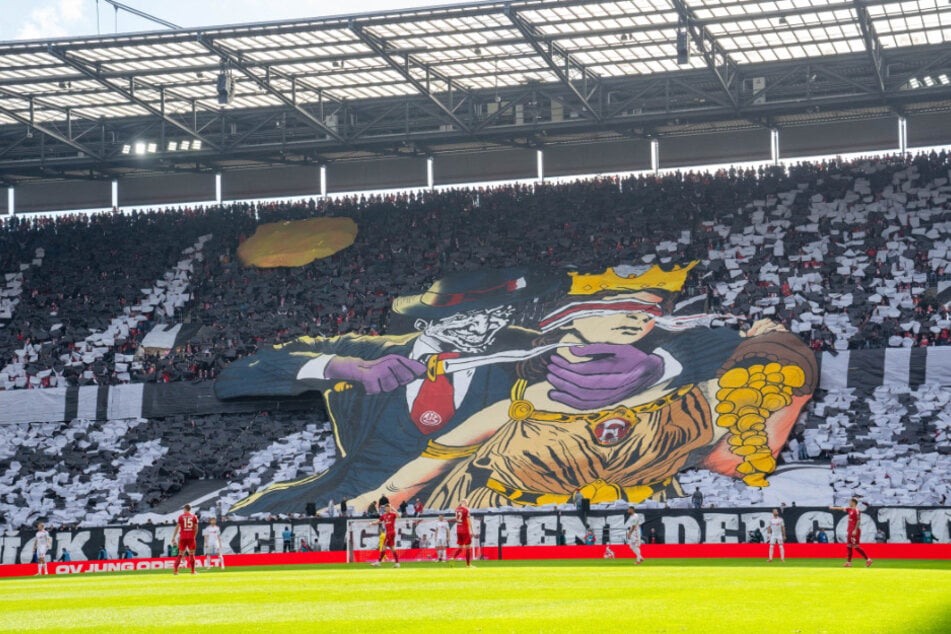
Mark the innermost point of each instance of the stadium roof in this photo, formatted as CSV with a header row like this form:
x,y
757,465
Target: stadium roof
x,y
425,81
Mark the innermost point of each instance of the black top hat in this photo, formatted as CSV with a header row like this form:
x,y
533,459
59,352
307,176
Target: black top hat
x,y
474,290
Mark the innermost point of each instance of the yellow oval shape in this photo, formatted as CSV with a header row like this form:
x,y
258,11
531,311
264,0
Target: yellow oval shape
x,y
724,407
775,402
745,396
737,377
294,243
764,463
756,480
794,375
726,420
746,422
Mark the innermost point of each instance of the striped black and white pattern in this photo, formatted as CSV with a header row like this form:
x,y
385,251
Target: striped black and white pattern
x,y
866,370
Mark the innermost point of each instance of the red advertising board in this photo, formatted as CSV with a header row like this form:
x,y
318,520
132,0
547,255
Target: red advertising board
x,y
167,563
650,551
700,551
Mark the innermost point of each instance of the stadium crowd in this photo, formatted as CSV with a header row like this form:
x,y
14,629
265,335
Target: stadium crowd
x,y
849,255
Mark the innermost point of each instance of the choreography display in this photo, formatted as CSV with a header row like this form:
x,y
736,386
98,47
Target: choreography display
x,y
603,386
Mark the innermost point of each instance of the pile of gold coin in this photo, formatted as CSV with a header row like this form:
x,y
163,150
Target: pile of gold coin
x,y
746,398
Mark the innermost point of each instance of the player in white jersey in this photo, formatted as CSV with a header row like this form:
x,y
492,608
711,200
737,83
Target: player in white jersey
x,y
633,534
213,550
441,538
776,533
41,546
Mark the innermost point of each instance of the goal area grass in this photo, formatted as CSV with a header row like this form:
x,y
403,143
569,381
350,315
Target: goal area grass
x,y
662,595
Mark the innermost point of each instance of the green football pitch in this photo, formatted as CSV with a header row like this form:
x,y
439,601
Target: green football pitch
x,y
735,596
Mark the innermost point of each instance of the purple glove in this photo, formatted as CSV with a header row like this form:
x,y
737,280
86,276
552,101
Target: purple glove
x,y
377,375
620,371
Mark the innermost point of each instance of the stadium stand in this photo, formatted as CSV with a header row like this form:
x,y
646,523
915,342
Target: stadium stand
x,y
95,472
852,256
836,227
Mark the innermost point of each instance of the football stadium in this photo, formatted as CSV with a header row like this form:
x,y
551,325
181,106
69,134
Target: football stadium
x,y
527,316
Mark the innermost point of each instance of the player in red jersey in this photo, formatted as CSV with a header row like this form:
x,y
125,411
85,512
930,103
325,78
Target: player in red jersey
x,y
854,532
464,532
186,529
388,522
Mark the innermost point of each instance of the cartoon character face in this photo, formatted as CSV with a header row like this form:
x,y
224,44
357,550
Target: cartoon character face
x,y
472,331
621,328
621,319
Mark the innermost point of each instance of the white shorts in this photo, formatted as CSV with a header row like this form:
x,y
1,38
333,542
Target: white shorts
x,y
213,552
41,553
776,539
634,543
440,543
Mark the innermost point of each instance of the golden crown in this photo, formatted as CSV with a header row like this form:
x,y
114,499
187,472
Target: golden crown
x,y
654,277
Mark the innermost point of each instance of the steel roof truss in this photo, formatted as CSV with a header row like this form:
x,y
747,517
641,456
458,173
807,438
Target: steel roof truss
x,y
12,146
127,93
702,94
264,84
795,71
823,69
359,132
379,46
50,132
718,60
872,43
502,110
533,36
630,101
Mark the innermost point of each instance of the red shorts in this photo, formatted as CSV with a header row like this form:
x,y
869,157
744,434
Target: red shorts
x,y
855,536
186,543
464,539
390,540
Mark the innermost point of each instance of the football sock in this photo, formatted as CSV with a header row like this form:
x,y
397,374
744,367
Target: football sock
x,y
191,562
455,555
861,552
849,558
396,557
178,562
468,556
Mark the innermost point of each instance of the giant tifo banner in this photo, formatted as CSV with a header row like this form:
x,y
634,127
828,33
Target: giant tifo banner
x,y
526,387
532,528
